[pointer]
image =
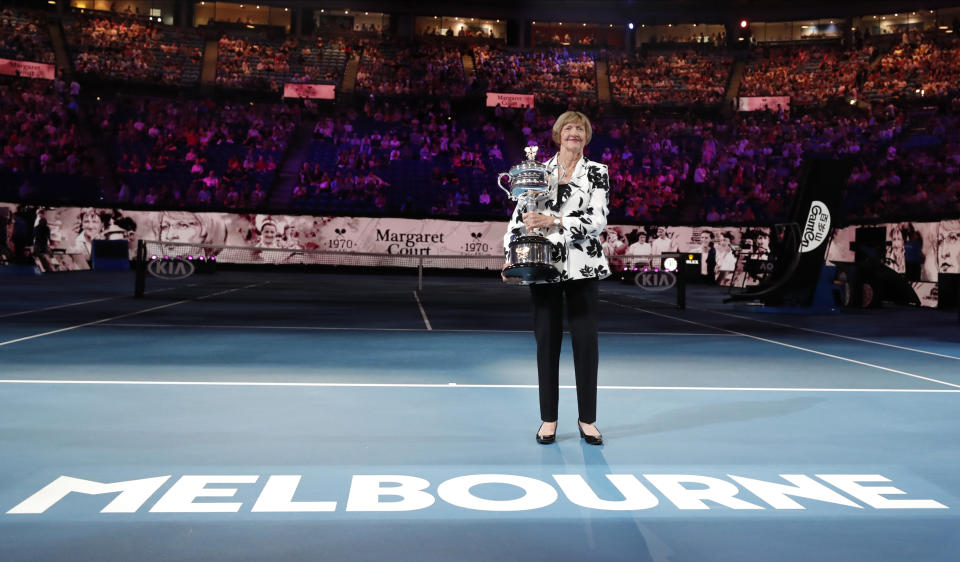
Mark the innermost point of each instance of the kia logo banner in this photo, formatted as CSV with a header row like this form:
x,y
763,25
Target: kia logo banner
x,y
655,280
171,269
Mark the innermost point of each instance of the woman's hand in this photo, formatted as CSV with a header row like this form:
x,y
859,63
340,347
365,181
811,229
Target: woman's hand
x,y
536,220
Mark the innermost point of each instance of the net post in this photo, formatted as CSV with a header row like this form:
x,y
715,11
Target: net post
x,y
141,269
681,284
420,273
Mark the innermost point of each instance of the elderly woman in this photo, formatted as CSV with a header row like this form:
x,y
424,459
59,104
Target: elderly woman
x,y
572,219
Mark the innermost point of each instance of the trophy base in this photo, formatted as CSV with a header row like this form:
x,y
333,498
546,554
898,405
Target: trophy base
x,y
528,273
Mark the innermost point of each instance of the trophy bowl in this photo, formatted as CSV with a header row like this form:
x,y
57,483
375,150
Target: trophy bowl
x,y
528,259
528,179
525,179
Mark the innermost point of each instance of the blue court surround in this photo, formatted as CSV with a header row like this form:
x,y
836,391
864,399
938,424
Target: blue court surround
x,y
334,376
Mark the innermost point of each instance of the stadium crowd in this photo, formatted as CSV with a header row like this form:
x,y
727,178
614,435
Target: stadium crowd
x,y
196,153
917,66
917,177
412,69
38,129
808,76
678,78
254,62
553,75
403,148
359,155
24,37
133,48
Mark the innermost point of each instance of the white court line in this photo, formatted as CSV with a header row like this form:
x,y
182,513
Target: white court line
x,y
102,320
44,309
458,385
422,311
862,340
353,329
791,326
791,346
21,313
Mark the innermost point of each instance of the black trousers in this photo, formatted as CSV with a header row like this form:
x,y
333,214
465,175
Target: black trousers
x,y
581,297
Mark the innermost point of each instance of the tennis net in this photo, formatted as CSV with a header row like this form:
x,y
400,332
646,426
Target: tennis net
x,y
189,268
178,261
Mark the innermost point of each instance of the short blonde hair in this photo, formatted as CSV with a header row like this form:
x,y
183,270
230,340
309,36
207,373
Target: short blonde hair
x,y
572,117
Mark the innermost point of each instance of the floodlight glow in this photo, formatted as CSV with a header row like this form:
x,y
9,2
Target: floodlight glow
x,y
630,25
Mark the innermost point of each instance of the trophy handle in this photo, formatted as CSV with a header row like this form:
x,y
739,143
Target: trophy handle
x,y
500,185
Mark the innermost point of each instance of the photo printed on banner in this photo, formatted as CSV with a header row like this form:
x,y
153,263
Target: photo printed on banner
x,y
933,260
7,211
839,249
736,250
741,256
948,246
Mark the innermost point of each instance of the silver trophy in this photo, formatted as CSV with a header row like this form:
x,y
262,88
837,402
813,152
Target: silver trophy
x,y
529,256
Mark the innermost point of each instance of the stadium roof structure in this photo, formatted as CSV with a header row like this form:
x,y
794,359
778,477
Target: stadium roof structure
x,y
624,11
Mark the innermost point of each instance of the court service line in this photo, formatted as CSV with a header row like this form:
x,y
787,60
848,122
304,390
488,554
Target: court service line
x,y
102,320
791,346
355,329
55,307
422,311
811,330
458,385
821,332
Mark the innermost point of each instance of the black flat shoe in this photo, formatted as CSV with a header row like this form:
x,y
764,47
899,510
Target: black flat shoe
x,y
546,439
590,439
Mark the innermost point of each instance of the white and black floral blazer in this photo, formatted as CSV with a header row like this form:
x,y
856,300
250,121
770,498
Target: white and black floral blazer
x,y
581,205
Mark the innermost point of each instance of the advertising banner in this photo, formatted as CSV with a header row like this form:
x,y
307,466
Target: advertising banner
x,y
759,103
311,91
27,69
74,229
509,100
935,246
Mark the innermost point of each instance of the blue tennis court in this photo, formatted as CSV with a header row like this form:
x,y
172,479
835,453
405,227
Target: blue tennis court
x,y
350,416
